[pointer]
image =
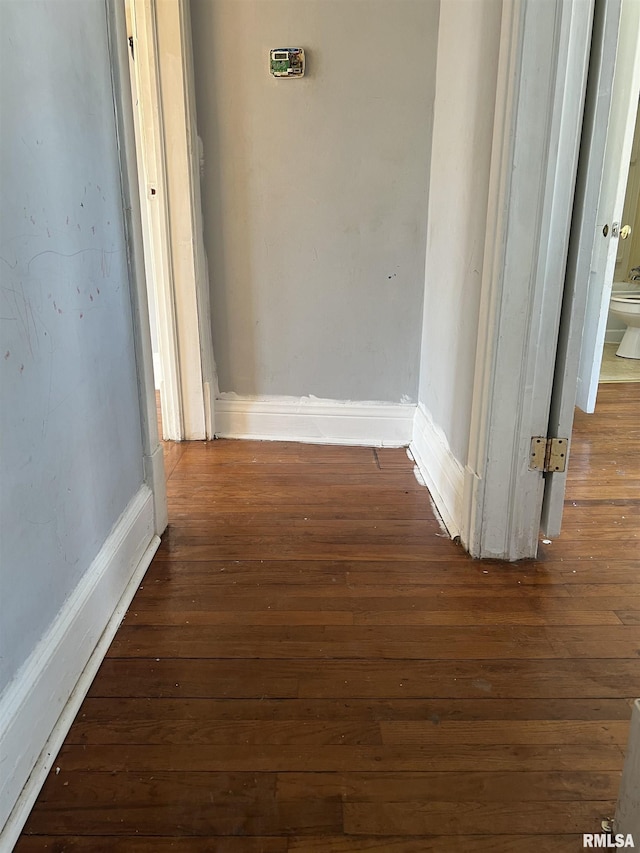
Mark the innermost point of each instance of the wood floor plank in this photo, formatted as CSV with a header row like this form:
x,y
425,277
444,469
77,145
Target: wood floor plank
x,y
518,679
473,818
397,575
232,450
104,711
135,844
352,642
313,488
473,617
581,641
595,516
266,758
298,549
311,665
408,595
305,678
514,732
438,844
624,488
478,786
335,596
628,617
445,569
432,572
384,600
348,733
248,618
324,530
462,618
417,642
285,732
187,803
601,548
604,589
183,508
191,472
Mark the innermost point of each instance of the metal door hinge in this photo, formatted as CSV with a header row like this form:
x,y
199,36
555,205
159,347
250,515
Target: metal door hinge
x,y
548,454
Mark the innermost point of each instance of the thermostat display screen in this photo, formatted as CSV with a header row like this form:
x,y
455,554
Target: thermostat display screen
x,y
287,62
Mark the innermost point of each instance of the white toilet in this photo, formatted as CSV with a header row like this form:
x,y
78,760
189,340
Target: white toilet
x,y
625,305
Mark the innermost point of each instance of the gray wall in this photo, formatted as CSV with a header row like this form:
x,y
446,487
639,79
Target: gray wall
x,y
463,129
70,453
315,192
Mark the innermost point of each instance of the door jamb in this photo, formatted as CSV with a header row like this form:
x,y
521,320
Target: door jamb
x,y
584,233
624,100
155,203
170,188
540,94
200,273
153,460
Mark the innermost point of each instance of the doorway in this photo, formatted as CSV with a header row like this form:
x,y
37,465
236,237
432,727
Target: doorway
x,y
533,315
160,70
607,136
608,246
626,275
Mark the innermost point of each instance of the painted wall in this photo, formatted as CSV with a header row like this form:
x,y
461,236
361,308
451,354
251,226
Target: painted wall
x,y
70,453
315,192
468,45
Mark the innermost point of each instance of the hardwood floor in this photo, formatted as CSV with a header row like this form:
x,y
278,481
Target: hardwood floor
x,y
310,666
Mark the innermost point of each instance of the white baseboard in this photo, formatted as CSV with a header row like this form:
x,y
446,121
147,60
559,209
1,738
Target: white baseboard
x,y
155,478
314,421
442,472
40,704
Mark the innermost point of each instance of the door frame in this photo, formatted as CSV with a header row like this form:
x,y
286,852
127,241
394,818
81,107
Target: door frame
x,y
172,218
542,76
153,459
625,88
589,244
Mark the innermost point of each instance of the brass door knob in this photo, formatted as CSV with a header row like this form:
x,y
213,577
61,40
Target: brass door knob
x,y
617,231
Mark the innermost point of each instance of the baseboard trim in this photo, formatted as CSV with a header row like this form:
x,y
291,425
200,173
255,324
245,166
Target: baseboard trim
x,y
442,472
39,706
155,478
315,421
613,336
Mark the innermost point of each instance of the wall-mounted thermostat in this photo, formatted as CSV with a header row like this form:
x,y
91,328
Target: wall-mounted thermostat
x,y
287,62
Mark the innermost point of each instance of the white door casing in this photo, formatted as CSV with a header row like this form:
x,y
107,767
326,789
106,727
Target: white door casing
x,y
541,84
153,459
182,167
170,192
624,104
154,206
581,246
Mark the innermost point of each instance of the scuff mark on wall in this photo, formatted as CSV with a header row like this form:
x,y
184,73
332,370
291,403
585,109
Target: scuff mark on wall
x,y
69,254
